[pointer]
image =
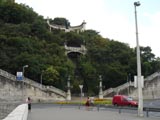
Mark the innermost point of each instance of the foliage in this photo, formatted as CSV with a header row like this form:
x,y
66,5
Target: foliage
x,y
25,39
51,75
61,21
14,13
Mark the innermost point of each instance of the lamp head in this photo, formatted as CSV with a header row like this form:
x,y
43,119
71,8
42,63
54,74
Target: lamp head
x,y
80,86
137,3
26,66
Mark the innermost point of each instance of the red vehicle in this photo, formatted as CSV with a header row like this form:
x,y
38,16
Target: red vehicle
x,y
122,100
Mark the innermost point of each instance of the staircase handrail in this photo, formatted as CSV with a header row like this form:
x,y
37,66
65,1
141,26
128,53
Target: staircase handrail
x,y
125,85
152,76
44,87
33,83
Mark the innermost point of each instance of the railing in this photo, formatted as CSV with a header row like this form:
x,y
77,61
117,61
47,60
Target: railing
x,y
119,109
6,108
70,28
147,109
81,49
43,87
116,89
108,91
19,113
123,108
125,85
7,75
151,77
33,83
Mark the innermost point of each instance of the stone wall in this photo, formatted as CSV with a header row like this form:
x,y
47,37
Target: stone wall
x,y
13,90
19,113
151,88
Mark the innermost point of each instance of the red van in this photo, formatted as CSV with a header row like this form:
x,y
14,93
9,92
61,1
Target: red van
x,y
122,100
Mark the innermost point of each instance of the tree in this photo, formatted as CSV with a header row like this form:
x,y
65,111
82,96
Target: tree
x,y
14,13
51,76
61,21
146,54
25,39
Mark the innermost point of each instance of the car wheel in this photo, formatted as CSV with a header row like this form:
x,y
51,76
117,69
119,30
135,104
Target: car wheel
x,y
115,104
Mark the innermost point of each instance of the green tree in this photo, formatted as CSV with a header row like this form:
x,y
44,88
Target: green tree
x,y
51,76
61,21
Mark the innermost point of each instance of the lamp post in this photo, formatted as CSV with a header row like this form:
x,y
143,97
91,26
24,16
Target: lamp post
x,y
128,83
41,79
140,96
25,66
81,87
100,88
68,90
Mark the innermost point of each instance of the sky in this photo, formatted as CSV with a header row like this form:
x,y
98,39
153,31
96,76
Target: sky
x,y
114,19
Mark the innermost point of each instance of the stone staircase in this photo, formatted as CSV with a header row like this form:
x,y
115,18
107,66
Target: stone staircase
x,y
34,84
150,90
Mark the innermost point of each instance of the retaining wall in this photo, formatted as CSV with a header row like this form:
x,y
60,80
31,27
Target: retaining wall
x,y
13,90
19,113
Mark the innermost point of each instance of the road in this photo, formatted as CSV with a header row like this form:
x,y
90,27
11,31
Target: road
x,y
57,112
155,104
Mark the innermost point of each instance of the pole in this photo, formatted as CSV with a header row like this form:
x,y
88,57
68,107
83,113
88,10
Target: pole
x,y
129,80
128,85
23,84
68,91
140,96
81,87
81,96
23,81
100,88
41,79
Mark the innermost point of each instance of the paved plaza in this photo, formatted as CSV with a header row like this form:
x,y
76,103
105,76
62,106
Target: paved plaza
x,y
57,112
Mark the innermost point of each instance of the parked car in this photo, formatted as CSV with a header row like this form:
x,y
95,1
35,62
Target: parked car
x,y
122,100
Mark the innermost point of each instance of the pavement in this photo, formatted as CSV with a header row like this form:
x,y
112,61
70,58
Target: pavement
x,y
57,112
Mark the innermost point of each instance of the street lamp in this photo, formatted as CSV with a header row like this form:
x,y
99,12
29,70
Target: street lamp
x,y
25,66
140,96
81,87
128,83
41,79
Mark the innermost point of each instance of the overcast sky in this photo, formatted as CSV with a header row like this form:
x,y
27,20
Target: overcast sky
x,y
114,19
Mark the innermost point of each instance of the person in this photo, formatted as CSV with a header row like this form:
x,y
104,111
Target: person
x,y
29,103
92,101
87,102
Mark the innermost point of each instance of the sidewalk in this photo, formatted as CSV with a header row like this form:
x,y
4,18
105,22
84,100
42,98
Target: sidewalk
x,y
73,113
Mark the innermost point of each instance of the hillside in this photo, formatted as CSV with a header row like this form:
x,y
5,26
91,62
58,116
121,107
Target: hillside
x,y
25,39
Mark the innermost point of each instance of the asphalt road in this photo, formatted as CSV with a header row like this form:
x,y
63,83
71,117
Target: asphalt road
x,y
155,104
57,112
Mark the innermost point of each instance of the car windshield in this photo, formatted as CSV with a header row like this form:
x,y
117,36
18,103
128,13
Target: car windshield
x,y
129,98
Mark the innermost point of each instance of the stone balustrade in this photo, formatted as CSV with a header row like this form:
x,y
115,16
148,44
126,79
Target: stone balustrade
x,y
152,88
81,49
19,113
33,83
79,28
